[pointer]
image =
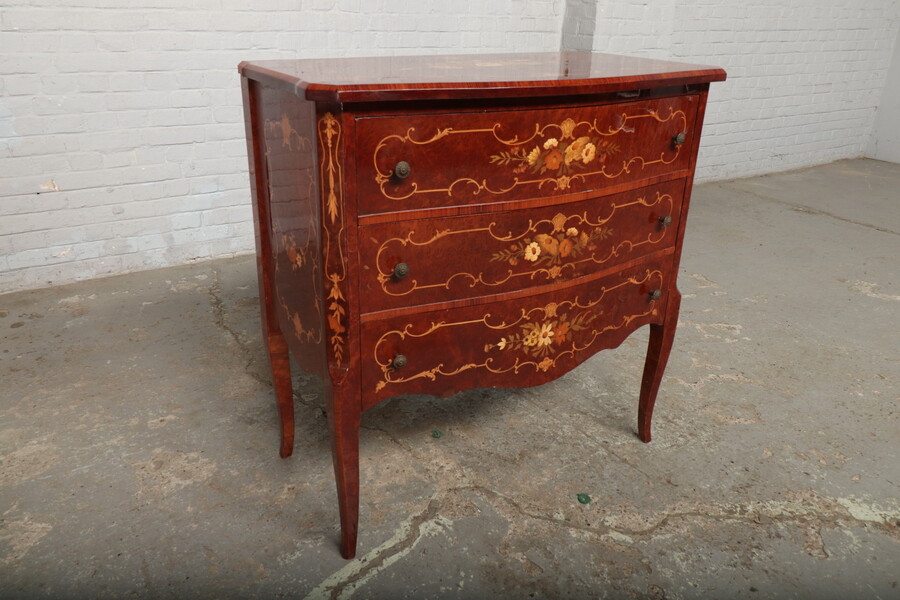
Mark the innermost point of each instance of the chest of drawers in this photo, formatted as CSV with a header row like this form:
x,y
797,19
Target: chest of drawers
x,y
430,224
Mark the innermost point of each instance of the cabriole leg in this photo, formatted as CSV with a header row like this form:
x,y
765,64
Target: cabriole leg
x,y
658,349
279,359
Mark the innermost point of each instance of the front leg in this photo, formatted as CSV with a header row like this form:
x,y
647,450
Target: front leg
x,y
344,413
658,349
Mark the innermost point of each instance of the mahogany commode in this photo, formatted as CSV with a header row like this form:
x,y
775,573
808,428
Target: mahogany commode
x,y
430,224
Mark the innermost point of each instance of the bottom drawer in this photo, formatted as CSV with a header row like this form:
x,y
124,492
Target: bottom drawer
x,y
512,343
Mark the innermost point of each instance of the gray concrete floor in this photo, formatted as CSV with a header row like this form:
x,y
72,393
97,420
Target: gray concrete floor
x,y
139,442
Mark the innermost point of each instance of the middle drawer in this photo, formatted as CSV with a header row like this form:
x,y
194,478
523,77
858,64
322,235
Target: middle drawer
x,y
410,263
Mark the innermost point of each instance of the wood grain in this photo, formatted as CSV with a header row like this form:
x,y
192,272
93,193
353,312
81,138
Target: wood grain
x,y
530,221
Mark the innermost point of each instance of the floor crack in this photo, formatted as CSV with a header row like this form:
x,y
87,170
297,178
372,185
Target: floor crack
x,y
218,309
815,211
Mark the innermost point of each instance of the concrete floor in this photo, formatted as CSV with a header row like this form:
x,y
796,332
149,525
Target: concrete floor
x,y
139,442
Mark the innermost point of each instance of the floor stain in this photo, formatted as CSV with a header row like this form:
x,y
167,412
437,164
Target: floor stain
x,y
27,462
168,471
20,536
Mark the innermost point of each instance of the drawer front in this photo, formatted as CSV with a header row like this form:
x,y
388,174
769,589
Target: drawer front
x,y
513,343
476,158
409,263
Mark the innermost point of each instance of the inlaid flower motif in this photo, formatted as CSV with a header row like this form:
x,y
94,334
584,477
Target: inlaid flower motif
x,y
532,251
548,243
553,250
297,258
544,337
588,153
550,310
559,334
553,159
568,154
575,149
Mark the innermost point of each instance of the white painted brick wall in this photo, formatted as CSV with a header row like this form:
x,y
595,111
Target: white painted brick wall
x,y
804,77
132,109
885,141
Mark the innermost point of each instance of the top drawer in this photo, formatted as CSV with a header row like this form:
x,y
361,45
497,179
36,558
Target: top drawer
x,y
482,157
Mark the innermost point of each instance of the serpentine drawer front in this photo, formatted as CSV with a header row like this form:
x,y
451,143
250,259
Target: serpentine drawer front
x,y
477,221
405,263
472,158
530,338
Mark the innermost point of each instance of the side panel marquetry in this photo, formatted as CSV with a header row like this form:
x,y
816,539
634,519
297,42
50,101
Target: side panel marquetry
x,y
515,343
288,130
482,157
459,257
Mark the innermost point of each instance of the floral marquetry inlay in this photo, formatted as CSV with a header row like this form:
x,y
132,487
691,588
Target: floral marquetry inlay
x,y
553,248
329,129
544,250
544,336
566,155
284,147
559,154
538,338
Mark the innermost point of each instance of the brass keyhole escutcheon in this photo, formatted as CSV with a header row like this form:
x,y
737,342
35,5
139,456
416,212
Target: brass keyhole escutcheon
x,y
402,170
399,362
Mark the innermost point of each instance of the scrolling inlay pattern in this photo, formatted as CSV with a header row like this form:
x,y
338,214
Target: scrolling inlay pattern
x,y
329,130
532,333
567,242
564,157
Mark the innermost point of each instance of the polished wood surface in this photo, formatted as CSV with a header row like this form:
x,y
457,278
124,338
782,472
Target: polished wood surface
x,y
541,221
487,157
455,258
380,79
510,343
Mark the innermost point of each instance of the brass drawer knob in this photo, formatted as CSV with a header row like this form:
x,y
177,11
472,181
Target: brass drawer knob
x,y
401,270
399,361
665,221
402,170
679,139
655,294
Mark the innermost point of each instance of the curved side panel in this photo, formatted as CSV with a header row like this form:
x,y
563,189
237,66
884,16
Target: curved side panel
x,y
287,128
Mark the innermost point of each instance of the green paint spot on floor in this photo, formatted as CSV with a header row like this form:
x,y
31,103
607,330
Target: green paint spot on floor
x,y
436,433
584,498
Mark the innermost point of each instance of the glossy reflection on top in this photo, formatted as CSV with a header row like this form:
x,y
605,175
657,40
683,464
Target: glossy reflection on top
x,y
472,68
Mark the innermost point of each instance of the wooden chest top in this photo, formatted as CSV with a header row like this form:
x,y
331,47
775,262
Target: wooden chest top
x,y
458,77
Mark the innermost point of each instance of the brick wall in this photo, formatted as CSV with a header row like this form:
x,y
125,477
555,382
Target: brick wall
x,y
804,77
121,131
885,141
121,128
